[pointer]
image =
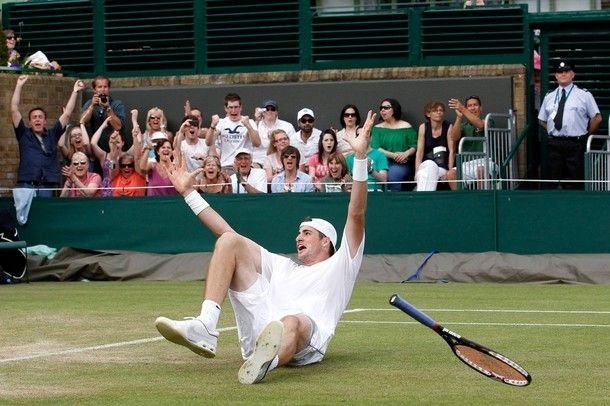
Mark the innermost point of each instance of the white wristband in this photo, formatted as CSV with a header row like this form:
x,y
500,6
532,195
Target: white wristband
x,y
360,171
196,202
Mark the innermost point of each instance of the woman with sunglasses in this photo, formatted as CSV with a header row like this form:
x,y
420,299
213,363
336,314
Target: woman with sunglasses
x,y
79,181
14,59
156,128
397,139
350,127
129,181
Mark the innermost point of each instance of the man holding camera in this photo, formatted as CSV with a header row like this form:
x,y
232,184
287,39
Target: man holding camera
x,y
101,106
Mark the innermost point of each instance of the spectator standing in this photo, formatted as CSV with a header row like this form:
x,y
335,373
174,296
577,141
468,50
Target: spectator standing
x,y
234,132
79,181
273,162
214,180
129,181
435,151
38,164
306,139
267,120
318,163
245,178
101,106
338,178
350,127
291,179
569,114
397,139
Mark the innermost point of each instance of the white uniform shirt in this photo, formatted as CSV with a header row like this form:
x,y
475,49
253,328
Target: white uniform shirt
x,y
580,107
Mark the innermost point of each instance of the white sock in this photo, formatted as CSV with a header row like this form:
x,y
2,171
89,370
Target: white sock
x,y
210,313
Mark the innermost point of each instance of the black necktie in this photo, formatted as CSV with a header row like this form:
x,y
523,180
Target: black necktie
x,y
559,116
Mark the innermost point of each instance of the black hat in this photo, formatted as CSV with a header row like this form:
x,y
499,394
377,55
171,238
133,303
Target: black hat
x,y
564,65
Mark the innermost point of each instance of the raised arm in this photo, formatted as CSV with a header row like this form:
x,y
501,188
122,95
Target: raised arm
x,y
354,226
99,153
64,119
184,181
16,100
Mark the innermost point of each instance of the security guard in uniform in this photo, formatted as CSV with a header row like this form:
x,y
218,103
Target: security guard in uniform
x,y
569,114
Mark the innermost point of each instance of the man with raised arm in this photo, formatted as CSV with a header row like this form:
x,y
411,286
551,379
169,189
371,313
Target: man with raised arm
x,y
286,311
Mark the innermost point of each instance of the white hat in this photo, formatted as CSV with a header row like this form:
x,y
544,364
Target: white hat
x,y
324,227
158,136
305,112
243,151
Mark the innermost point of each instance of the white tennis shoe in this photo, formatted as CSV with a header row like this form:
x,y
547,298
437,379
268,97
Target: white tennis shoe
x,y
191,333
267,346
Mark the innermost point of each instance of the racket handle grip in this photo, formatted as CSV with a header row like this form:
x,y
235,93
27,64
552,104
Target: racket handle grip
x,y
412,311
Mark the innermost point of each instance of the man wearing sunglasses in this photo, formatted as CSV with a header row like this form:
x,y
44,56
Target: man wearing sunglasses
x,y
38,165
267,120
306,139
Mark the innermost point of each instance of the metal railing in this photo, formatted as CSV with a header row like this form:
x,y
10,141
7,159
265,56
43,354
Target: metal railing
x,y
597,162
489,162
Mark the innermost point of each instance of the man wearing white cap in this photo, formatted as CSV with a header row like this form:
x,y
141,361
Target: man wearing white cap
x,y
306,139
286,312
247,179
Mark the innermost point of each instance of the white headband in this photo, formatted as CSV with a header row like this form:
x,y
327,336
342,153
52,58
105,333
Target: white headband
x,y
324,227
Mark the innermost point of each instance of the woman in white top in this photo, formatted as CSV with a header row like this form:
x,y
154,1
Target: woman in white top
x,y
350,127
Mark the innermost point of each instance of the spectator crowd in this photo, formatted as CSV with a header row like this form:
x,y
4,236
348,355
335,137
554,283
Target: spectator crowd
x,y
241,153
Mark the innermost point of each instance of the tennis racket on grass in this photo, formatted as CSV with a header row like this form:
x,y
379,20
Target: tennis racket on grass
x,y
482,359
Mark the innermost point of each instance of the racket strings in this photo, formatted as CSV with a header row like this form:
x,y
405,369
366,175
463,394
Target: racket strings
x,y
493,365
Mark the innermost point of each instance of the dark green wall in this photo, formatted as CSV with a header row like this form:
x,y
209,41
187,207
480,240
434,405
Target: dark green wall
x,y
521,222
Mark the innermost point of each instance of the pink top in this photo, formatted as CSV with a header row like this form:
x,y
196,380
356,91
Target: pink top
x,y
321,168
92,177
156,183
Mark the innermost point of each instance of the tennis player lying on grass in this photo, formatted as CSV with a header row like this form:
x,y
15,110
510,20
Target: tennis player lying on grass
x,y
286,312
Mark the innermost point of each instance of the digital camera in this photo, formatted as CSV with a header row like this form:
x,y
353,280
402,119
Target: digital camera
x,y
103,98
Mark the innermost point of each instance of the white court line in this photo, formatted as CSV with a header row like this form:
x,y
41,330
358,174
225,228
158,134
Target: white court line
x,y
94,348
480,324
357,310
488,311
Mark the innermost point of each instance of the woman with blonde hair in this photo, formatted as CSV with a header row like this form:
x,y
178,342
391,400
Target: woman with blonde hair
x,y
214,179
79,181
278,140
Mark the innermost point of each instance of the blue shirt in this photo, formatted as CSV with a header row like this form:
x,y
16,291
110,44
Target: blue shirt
x,y
580,107
379,163
303,183
35,163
